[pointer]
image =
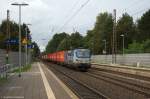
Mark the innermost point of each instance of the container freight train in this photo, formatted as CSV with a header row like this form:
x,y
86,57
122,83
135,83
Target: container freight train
x,y
77,58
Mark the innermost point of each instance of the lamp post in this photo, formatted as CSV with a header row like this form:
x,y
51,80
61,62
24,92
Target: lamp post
x,y
122,35
19,5
105,50
105,46
43,41
26,46
92,48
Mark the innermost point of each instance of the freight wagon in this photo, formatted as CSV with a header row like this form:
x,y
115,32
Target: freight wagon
x,y
77,58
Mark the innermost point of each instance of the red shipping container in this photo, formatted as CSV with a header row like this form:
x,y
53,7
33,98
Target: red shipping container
x,y
57,56
60,56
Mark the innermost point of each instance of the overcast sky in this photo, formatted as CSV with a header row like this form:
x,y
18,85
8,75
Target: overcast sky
x,y
48,16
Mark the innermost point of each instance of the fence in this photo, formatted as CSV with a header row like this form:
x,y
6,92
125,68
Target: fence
x,y
13,61
127,59
4,70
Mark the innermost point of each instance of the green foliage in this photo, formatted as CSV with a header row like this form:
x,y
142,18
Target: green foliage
x,y
64,44
88,40
142,36
102,31
3,80
136,36
76,40
64,41
54,43
135,47
2,38
23,69
146,46
125,26
13,30
144,27
36,50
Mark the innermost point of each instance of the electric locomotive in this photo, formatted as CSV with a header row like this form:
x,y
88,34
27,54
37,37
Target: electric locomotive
x,y
79,58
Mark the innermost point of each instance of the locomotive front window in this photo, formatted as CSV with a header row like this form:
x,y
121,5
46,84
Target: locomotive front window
x,y
83,54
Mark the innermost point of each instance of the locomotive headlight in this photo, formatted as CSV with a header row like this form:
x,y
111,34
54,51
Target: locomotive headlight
x,y
78,61
90,59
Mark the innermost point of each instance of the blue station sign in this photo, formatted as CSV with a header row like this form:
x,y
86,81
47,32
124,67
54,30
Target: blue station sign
x,y
13,41
29,37
30,46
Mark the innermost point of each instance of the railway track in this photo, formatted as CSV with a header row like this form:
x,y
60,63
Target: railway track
x,y
110,84
139,73
133,84
82,90
140,80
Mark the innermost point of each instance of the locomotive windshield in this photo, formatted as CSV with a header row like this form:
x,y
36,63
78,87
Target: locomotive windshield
x,y
83,54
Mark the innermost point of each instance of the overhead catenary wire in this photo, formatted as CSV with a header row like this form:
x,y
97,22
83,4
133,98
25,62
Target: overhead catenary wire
x,y
70,11
134,12
141,11
75,14
72,8
78,10
139,7
133,4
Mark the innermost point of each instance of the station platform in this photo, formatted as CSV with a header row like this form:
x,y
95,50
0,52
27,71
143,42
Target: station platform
x,y
37,83
139,71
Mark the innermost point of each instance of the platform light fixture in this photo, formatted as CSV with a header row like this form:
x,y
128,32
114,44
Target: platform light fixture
x,y
19,5
122,35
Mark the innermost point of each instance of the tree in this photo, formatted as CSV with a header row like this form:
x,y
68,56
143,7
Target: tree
x,y
14,33
125,26
63,41
144,26
139,47
102,31
24,29
146,46
135,35
135,47
36,50
76,40
88,40
54,42
65,44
